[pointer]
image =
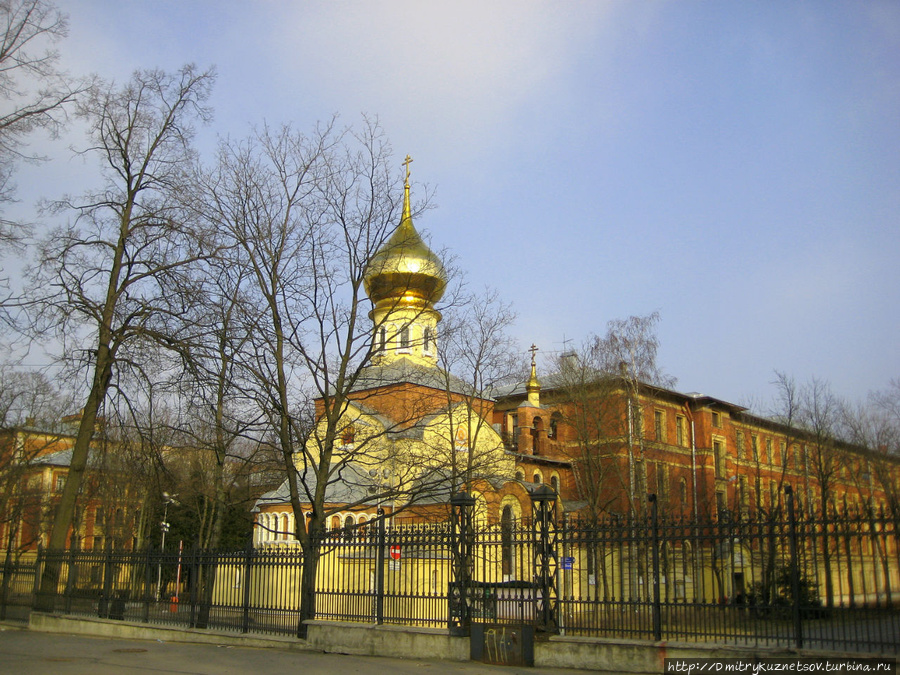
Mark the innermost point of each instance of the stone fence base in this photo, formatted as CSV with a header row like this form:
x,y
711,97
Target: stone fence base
x,y
612,656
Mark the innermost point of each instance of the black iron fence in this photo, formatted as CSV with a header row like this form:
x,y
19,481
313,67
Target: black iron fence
x,y
826,582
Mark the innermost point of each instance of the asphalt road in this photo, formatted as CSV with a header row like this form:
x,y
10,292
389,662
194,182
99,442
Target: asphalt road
x,y
26,653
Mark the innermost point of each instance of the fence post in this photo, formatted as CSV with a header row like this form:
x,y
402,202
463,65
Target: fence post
x,y
39,562
103,603
148,583
462,507
883,554
248,568
71,578
795,567
654,545
195,573
544,536
379,569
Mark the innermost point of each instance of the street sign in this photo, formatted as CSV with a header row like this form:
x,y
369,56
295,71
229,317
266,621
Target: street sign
x,y
568,563
395,552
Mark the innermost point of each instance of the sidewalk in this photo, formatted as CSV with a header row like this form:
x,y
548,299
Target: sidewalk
x,y
30,653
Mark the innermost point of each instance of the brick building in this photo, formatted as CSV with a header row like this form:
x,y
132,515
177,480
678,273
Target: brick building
x,y
700,455
34,464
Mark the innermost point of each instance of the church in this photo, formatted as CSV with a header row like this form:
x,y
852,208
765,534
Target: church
x,y
412,435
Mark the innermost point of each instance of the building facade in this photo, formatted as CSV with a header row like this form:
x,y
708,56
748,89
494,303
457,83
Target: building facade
x,y
34,466
602,442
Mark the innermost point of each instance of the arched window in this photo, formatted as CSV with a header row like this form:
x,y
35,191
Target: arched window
x,y
555,419
536,479
349,522
520,476
554,483
404,337
506,540
537,428
284,527
426,340
382,339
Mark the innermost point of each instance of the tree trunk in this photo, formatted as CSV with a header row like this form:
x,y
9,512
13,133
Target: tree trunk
x,y
308,585
66,507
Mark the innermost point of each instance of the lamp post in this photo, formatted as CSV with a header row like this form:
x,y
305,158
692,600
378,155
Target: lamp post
x,y
163,528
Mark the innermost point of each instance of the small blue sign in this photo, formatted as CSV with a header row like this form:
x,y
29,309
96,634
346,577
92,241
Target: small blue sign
x,y
568,563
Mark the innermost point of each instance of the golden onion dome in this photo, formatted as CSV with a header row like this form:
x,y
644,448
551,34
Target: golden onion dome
x,y
405,269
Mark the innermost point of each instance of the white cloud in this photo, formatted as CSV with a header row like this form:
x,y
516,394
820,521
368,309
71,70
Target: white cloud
x,y
457,70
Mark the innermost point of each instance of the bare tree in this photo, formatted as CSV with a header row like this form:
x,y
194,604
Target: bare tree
x,y
215,417
477,356
818,416
105,279
29,397
607,379
601,388
304,214
874,428
34,95
593,411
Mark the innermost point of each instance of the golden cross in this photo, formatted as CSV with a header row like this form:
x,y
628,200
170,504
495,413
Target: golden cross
x,y
534,350
406,163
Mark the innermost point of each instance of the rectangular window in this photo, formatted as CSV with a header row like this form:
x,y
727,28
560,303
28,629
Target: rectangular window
x,y
769,456
716,420
739,443
784,457
721,503
719,458
662,480
659,424
679,430
754,445
60,482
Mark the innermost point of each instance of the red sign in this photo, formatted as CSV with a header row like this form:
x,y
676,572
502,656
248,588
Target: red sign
x,y
395,552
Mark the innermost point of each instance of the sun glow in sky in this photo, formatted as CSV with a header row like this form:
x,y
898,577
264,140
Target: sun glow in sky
x,y
735,166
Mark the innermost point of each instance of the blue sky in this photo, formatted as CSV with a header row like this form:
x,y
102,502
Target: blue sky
x,y
733,165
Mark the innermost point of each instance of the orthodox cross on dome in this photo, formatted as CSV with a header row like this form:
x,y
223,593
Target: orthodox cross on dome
x,y
534,350
406,163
